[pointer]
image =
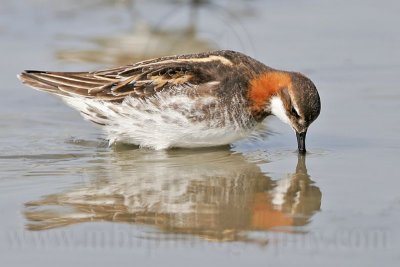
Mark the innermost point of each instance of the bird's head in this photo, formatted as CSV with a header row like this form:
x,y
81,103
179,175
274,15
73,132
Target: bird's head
x,y
290,96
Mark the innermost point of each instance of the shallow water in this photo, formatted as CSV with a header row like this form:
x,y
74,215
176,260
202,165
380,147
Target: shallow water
x,y
67,198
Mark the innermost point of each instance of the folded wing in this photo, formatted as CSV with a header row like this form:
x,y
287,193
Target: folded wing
x,y
140,80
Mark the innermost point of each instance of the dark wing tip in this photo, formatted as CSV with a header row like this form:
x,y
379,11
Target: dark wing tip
x,y
34,71
25,74
30,72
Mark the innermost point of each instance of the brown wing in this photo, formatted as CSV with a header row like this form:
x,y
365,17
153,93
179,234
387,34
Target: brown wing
x,y
142,79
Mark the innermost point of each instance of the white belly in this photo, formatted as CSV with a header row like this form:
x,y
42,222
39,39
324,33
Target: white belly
x,y
158,137
163,123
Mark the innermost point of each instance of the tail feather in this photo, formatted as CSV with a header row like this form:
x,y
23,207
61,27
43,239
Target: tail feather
x,y
35,80
81,84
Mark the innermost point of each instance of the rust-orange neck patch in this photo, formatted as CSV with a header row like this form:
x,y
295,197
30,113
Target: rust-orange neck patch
x,y
263,87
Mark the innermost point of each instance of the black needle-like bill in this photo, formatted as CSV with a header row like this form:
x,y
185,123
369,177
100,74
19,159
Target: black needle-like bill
x,y
301,141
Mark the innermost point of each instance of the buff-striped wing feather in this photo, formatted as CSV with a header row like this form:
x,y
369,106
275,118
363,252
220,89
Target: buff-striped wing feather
x,y
142,80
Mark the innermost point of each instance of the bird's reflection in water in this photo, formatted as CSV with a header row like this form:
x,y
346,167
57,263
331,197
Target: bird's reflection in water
x,y
212,194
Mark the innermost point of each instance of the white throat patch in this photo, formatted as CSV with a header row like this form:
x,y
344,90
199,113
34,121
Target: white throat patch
x,y
278,109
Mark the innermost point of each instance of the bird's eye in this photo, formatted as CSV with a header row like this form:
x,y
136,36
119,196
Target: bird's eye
x,y
294,112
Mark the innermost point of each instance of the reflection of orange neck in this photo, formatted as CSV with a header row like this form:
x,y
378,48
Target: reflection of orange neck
x,y
264,217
